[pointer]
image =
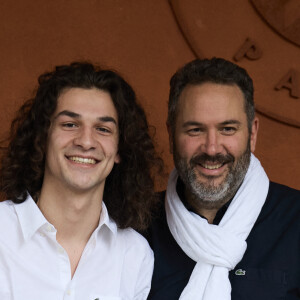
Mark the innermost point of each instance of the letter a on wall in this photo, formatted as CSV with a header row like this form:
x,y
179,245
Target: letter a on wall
x,y
290,81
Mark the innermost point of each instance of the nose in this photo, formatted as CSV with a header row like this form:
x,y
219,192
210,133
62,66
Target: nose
x,y
211,144
85,139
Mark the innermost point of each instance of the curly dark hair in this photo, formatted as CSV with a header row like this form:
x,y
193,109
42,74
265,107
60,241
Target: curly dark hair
x,y
129,189
215,70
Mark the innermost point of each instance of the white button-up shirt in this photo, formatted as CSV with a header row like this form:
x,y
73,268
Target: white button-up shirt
x,y
115,264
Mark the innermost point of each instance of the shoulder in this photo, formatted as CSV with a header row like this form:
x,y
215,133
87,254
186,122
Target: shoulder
x,y
282,206
132,236
6,204
283,197
137,261
134,242
7,211
9,223
137,256
280,190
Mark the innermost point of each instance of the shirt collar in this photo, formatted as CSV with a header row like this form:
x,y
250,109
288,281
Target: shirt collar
x,y
30,217
106,220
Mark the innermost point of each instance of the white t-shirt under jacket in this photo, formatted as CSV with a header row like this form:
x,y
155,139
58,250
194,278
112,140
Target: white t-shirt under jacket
x,y
116,264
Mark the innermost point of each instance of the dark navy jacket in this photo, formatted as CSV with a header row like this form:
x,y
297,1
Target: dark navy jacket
x,y
271,261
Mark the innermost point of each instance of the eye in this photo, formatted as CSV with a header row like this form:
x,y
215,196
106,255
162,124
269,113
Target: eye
x,y
103,130
69,125
228,130
195,131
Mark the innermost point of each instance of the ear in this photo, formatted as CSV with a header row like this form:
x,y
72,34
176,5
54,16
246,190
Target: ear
x,y
253,136
117,159
170,138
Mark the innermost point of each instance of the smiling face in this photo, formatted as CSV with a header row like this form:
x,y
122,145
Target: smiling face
x,y
82,144
211,142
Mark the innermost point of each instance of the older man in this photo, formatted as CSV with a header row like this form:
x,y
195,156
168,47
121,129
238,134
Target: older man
x,y
225,231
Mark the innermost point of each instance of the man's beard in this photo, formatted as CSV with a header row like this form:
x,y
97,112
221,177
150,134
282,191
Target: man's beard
x,y
209,194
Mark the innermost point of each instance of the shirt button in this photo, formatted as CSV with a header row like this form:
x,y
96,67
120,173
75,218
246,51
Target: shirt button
x,y
69,292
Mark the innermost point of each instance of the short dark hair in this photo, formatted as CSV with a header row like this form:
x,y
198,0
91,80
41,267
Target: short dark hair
x,y
215,70
129,189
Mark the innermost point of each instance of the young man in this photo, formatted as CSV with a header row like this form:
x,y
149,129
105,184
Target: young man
x,y
77,173
225,232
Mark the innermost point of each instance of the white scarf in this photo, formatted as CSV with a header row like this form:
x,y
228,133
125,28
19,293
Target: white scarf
x,y
216,249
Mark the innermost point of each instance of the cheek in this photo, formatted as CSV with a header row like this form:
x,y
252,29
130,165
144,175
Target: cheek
x,y
51,155
187,146
236,146
55,144
110,146
58,139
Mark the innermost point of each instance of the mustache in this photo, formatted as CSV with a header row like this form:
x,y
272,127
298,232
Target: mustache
x,y
218,158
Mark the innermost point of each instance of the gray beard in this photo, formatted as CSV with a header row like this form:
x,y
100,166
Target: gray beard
x,y
209,195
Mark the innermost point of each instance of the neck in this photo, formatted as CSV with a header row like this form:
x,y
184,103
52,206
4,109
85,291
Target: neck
x,y
75,216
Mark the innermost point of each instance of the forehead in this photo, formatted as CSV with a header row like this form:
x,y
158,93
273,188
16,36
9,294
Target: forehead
x,y
211,102
86,102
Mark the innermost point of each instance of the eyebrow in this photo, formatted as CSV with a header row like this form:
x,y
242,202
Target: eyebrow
x,y
194,123
74,115
229,122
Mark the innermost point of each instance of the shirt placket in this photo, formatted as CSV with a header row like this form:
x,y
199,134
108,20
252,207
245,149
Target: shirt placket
x,y
63,265
84,257
65,273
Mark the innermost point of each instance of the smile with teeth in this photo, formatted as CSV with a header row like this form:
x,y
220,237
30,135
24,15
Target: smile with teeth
x,y
211,167
82,160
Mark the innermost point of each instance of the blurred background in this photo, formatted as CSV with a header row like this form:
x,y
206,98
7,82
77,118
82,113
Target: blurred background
x,y
147,41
